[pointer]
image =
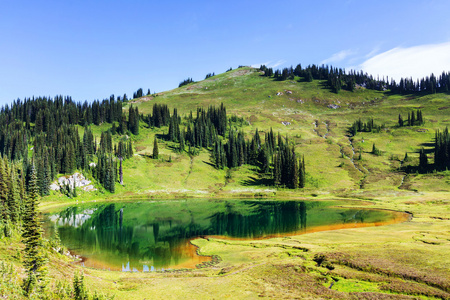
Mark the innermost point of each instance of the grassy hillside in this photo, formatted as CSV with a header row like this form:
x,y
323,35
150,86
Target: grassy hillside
x,y
410,260
319,132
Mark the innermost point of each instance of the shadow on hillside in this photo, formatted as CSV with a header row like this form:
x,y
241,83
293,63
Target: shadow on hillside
x,y
430,168
429,144
208,163
254,181
162,136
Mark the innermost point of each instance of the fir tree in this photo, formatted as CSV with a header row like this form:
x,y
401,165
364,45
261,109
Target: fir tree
x,y
423,161
34,259
79,290
4,182
302,173
295,172
155,149
121,171
14,198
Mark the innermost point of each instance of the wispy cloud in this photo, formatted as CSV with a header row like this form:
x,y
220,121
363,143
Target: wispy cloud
x,y
259,65
270,64
373,52
277,63
339,56
415,62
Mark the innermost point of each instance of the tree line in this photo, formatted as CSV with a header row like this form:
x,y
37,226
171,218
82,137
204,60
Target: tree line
x,y
48,126
338,78
186,81
412,120
211,129
369,126
442,150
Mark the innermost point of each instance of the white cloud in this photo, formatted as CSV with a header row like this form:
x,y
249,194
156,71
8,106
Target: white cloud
x,y
276,64
373,52
259,65
416,62
269,64
337,57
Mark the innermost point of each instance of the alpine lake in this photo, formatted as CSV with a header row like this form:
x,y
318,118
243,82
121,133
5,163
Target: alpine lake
x,y
143,235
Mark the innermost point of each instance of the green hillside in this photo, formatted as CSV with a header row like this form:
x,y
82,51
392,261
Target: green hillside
x,y
408,260
318,122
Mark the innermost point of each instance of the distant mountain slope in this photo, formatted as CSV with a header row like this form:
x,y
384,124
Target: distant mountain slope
x,y
318,122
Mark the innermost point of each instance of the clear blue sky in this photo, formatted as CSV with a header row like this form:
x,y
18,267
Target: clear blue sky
x,y
91,49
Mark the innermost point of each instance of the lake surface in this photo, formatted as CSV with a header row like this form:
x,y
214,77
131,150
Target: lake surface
x,y
148,236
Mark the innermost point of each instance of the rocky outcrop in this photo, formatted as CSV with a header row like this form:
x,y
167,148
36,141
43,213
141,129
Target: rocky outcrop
x,y
78,179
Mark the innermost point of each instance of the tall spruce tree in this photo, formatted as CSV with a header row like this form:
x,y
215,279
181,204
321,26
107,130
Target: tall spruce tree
x,y
423,161
302,173
155,149
34,259
14,202
4,182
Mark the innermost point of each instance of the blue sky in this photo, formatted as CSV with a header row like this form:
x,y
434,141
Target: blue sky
x,y
92,49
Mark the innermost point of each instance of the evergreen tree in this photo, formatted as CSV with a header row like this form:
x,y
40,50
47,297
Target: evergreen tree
x,y
121,172
34,259
155,149
14,201
4,182
295,172
79,290
423,161
302,173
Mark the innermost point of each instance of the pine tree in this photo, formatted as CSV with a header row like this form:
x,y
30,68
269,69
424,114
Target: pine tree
x,y
34,259
423,161
74,186
181,147
302,173
79,290
295,172
277,170
155,149
121,171
4,181
14,198
128,150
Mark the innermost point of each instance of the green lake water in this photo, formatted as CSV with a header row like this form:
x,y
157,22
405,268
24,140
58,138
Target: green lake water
x,y
147,236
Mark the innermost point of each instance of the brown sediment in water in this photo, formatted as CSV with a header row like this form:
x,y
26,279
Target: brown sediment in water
x,y
399,217
187,250
190,250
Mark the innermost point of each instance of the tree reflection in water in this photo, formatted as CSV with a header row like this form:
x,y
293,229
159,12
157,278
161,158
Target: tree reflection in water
x,y
111,235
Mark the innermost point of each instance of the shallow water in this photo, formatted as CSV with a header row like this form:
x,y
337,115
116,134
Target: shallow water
x,y
146,236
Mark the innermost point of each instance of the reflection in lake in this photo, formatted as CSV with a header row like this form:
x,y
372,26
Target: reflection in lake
x,y
146,236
